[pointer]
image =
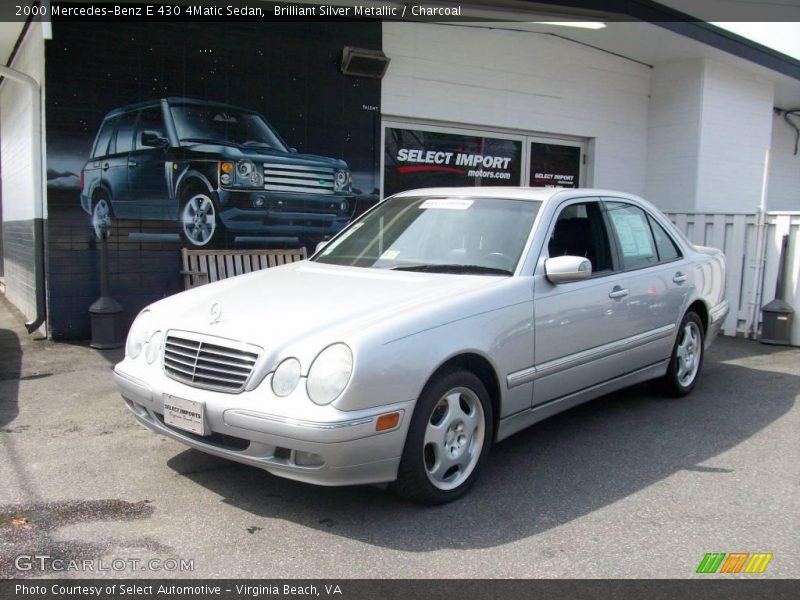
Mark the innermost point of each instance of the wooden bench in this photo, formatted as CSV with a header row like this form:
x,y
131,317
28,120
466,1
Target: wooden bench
x,y
205,266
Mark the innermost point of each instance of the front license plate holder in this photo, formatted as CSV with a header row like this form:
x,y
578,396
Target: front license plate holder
x,y
188,415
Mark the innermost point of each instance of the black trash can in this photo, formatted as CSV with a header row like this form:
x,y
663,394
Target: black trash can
x,y
776,316
106,320
776,323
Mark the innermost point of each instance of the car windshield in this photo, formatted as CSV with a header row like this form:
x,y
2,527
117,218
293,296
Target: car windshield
x,y
483,236
225,125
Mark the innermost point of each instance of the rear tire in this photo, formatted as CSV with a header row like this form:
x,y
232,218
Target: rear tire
x,y
687,358
448,439
102,215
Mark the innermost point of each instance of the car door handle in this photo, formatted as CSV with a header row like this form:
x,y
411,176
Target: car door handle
x,y
106,166
618,292
132,163
679,278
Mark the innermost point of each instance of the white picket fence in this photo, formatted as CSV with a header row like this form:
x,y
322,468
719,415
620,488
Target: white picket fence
x,y
736,234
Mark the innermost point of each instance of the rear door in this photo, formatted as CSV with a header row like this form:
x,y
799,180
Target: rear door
x,y
654,280
115,167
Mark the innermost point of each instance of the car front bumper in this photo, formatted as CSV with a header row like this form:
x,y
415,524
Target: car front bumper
x,y
345,443
284,214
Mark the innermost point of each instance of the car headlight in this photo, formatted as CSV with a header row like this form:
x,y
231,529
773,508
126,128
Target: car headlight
x,y
247,174
138,334
341,180
244,168
329,374
286,377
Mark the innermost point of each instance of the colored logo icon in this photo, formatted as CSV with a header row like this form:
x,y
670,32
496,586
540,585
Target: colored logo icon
x,y
734,562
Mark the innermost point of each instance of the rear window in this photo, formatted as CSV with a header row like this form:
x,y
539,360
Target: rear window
x,y
101,144
667,250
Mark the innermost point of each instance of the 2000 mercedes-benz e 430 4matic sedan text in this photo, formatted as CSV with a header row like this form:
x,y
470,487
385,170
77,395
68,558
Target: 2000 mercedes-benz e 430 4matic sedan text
x,y
439,322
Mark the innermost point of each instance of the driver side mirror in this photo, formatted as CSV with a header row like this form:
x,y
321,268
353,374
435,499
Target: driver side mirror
x,y
152,139
564,269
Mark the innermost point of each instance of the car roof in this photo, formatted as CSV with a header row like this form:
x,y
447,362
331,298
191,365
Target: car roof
x,y
171,100
538,194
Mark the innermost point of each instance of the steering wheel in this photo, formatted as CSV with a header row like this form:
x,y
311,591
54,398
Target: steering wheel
x,y
500,261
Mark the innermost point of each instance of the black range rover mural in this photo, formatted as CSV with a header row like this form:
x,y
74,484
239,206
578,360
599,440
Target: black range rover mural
x,y
215,169
206,136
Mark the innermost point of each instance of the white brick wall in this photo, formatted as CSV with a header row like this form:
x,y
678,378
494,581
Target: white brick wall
x,y
673,134
710,126
736,129
16,153
15,113
784,168
526,82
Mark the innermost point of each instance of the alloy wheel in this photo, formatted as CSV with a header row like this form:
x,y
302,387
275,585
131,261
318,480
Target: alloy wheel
x,y
688,353
199,219
454,438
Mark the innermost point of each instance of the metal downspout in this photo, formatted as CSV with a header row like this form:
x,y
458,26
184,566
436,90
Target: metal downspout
x,y
761,254
38,194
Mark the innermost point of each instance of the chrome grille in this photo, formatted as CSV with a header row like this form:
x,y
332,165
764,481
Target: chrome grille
x,y
298,178
203,364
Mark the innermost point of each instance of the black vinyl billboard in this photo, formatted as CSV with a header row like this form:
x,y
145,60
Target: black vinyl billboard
x,y
144,123
415,158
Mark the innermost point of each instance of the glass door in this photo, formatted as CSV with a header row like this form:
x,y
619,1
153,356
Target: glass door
x,y
554,162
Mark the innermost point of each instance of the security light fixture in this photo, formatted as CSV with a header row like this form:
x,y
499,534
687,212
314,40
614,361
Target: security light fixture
x,y
363,62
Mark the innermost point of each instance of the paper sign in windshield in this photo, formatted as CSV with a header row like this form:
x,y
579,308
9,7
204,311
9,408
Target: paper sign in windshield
x,y
390,254
447,203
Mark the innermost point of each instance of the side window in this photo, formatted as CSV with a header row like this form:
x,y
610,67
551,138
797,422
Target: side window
x,y
101,145
580,231
123,138
667,250
636,244
150,119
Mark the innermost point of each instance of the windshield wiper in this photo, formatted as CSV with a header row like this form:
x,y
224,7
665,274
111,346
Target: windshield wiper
x,y
454,268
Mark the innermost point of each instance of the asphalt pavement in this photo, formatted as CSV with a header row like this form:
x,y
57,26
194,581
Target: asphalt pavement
x,y
630,485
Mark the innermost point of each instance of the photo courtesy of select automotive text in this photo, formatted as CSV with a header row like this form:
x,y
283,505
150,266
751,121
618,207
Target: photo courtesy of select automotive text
x,y
203,136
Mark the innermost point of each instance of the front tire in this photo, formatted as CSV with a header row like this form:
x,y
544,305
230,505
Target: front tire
x,y
199,219
687,358
448,439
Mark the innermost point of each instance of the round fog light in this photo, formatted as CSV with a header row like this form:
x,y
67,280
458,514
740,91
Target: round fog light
x,y
343,206
260,201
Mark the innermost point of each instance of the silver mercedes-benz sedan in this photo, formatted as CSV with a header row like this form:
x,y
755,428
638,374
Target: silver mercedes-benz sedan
x,y
439,322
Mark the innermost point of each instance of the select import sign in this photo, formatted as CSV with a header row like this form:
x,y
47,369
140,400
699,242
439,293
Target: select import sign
x,y
555,165
415,158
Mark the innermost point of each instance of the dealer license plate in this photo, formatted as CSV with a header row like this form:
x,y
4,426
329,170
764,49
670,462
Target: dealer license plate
x,y
188,415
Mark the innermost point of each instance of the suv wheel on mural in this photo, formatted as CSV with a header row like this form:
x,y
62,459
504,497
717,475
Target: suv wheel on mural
x,y
101,216
200,223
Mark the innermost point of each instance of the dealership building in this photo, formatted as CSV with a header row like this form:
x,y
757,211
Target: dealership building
x,y
692,117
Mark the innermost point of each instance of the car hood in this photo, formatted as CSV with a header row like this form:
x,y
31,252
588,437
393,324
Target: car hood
x,y
257,154
306,301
